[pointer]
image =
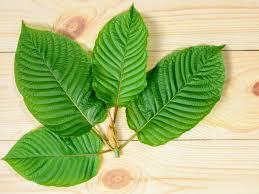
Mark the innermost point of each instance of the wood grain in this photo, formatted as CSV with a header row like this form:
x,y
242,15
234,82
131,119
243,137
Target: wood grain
x,y
189,167
219,156
234,117
171,23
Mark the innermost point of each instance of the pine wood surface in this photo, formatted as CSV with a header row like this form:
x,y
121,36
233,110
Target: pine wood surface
x,y
220,155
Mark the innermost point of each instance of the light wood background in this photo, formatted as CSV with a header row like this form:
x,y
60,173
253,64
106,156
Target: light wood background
x,y
219,156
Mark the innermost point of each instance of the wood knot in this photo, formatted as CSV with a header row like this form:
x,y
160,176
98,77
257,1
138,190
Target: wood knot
x,y
73,27
116,178
255,89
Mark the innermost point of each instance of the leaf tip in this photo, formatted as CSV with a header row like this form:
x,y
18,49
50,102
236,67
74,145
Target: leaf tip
x,y
4,158
132,6
221,46
23,24
132,9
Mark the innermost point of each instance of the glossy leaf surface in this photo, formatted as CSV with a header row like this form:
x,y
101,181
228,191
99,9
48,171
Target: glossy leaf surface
x,y
47,159
182,89
120,59
53,73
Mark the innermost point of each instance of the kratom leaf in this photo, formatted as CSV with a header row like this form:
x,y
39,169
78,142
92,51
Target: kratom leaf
x,y
53,73
47,159
182,89
120,59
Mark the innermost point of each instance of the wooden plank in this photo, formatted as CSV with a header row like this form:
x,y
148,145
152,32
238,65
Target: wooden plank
x,y
234,117
172,23
186,167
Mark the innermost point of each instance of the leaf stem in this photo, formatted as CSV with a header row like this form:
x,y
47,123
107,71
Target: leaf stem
x,y
102,137
112,133
115,114
126,142
105,151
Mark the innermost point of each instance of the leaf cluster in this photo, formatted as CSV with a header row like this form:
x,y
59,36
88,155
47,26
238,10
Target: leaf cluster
x,y
70,91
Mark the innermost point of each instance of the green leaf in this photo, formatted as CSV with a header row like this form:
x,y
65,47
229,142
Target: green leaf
x,y
182,89
53,73
120,59
47,159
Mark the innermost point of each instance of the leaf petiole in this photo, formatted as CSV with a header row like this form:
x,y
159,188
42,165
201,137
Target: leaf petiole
x,y
126,142
112,133
102,137
116,109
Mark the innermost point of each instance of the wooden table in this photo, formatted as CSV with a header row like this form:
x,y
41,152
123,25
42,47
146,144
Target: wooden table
x,y
219,156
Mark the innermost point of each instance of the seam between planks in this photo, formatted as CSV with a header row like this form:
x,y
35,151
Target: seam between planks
x,y
163,50
177,140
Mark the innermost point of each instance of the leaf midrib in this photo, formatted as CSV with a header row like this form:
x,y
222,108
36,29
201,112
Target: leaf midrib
x,y
179,91
46,63
53,156
123,63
